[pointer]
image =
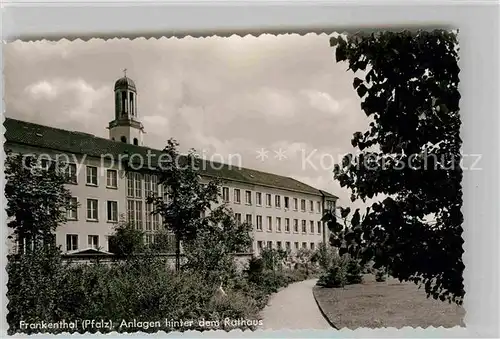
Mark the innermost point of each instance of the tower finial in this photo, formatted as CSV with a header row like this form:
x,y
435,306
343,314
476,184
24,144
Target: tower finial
x,y
125,72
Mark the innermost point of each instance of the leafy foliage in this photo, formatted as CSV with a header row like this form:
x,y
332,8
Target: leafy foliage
x,y
186,199
211,252
324,256
37,199
335,275
126,240
410,153
380,275
42,288
273,259
354,271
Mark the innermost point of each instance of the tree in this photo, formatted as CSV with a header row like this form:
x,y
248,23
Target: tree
x,y
410,153
220,237
186,198
37,199
126,240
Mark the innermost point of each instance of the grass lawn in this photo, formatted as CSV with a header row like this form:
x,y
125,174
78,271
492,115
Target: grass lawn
x,y
385,304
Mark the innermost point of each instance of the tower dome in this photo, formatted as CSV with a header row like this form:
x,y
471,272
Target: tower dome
x,y
125,83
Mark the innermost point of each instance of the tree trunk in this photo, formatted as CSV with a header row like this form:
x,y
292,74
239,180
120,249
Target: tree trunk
x,y
177,253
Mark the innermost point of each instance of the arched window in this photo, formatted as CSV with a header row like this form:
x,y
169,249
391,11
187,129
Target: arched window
x,y
113,138
123,139
136,142
117,104
131,106
124,103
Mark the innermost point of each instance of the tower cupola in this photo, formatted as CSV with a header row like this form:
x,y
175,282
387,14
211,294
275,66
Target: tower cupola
x,y
126,126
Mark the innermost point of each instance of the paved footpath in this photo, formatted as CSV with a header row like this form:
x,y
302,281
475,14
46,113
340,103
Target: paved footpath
x,y
294,308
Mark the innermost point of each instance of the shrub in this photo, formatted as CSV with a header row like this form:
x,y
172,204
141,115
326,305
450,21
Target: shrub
x,y
336,276
273,259
40,288
380,275
324,256
354,271
126,240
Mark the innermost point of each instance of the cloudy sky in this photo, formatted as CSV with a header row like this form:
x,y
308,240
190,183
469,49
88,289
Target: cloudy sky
x,y
225,97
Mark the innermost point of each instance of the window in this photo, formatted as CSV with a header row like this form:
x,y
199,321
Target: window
x,y
136,142
123,139
278,224
296,244
148,239
72,212
287,225
130,184
304,245
112,211
259,223
287,202
318,207
93,241
319,227
248,219
311,226
134,185
148,217
156,222
258,199
92,175
138,185
248,197
71,242
92,211
295,204
302,205
277,201
111,178
268,200
278,244
124,104
237,216
138,214
270,245
296,225
269,224
312,246
311,206
151,186
259,246
287,246
304,226
131,105
134,213
70,172
225,194
237,196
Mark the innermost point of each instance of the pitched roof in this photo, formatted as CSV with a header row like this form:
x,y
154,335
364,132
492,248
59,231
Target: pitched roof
x,y
35,135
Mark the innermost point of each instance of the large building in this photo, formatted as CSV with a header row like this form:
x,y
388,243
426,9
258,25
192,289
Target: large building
x,y
285,213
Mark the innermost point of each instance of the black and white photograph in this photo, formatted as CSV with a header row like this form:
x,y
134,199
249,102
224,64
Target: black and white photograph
x,y
270,182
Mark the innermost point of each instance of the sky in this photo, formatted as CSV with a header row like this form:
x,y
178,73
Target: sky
x,y
279,104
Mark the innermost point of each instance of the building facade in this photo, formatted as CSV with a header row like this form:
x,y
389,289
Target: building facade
x,y
284,212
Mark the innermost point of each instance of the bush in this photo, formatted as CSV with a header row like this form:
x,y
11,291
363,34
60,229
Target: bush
x,y
336,276
380,275
343,271
42,288
324,256
354,272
